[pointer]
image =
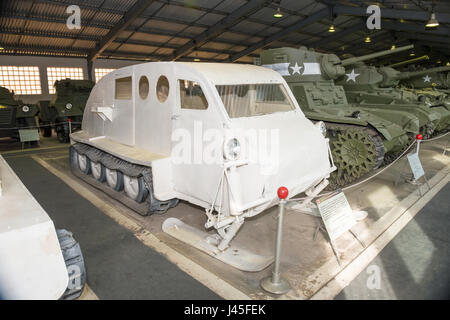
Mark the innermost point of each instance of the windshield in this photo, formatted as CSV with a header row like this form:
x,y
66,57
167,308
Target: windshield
x,y
248,100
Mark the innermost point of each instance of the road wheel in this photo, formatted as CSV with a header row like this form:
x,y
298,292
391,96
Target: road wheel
x,y
135,188
114,178
98,171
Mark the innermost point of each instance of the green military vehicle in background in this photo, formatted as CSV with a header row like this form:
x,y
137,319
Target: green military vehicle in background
x,y
432,86
362,138
68,105
17,120
369,85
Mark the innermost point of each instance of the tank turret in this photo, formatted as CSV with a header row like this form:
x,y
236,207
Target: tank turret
x,y
335,68
314,65
391,77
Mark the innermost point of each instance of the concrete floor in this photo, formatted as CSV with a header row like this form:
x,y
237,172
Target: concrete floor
x,y
118,265
415,264
121,266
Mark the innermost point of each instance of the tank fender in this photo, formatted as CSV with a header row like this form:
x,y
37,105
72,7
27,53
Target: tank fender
x,y
327,117
385,127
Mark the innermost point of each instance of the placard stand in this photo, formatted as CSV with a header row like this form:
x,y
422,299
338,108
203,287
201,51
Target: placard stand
x,y
336,218
416,169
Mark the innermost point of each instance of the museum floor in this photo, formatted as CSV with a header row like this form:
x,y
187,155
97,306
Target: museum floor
x,y
128,257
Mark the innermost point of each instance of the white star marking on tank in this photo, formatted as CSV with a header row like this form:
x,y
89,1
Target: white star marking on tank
x,y
296,68
352,76
427,78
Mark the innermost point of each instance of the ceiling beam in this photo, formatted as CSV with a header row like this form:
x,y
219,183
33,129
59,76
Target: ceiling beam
x,y
409,27
80,52
333,37
132,14
283,33
230,20
424,37
391,13
71,36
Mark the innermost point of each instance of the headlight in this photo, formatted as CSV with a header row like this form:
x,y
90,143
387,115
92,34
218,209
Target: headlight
x,y
68,106
232,149
25,108
322,127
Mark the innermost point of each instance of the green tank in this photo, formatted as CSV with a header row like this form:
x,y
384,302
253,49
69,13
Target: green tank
x,y
362,138
15,116
68,105
433,87
369,85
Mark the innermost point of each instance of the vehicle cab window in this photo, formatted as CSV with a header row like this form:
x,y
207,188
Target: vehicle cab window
x,y
192,96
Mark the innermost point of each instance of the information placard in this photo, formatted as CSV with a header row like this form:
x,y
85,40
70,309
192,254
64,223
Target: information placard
x,y
28,135
336,215
416,165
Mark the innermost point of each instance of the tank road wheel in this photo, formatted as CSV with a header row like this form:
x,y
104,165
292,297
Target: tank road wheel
x,y
114,178
355,153
98,171
135,188
84,163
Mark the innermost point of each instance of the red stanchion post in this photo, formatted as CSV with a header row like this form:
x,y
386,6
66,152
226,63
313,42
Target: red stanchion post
x,y
418,140
276,284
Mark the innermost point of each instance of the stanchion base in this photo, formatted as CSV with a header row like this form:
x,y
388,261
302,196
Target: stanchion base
x,y
281,287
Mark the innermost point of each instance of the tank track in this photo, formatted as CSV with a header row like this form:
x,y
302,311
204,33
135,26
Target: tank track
x,y
74,263
341,177
149,206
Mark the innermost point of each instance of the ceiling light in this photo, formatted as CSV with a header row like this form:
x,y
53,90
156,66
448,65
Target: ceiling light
x,y
439,61
278,14
331,29
447,64
1,48
196,59
367,39
432,23
412,53
393,47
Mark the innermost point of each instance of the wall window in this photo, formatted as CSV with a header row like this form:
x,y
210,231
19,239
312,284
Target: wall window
x,y
101,72
57,73
23,80
124,90
192,96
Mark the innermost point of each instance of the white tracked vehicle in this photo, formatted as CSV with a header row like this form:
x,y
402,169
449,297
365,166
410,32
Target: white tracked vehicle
x,y
37,261
158,132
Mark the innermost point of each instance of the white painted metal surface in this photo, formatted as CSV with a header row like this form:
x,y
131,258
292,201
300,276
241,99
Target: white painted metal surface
x,y
140,130
31,262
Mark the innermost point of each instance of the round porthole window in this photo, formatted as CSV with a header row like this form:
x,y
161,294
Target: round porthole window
x,y
162,88
143,87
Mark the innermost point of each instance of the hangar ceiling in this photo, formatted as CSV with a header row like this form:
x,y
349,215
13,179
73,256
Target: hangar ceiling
x,y
219,31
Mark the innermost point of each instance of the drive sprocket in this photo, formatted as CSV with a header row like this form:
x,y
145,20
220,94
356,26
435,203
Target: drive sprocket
x,y
356,151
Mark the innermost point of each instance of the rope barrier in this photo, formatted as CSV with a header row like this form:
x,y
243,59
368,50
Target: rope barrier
x,y
40,126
